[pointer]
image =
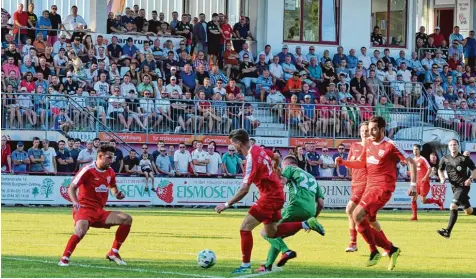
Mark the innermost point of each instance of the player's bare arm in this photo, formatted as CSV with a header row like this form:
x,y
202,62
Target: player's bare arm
x,y
72,194
242,192
413,175
118,194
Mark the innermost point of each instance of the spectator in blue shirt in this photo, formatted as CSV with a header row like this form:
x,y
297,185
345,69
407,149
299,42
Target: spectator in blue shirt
x,y
20,158
43,24
401,59
164,166
64,161
313,160
352,61
263,84
288,68
415,65
339,56
282,55
315,71
340,171
188,78
129,49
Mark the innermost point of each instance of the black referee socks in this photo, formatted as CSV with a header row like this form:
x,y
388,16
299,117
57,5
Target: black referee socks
x,y
453,218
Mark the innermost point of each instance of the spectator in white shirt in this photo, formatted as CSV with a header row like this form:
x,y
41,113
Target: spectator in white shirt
x,y
200,159
327,168
50,157
172,86
406,74
101,86
215,163
86,155
61,43
364,58
182,160
276,70
127,86
74,21
268,56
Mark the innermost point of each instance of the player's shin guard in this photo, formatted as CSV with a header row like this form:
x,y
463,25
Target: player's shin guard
x,y
72,242
414,208
121,235
278,243
287,229
366,231
246,245
453,218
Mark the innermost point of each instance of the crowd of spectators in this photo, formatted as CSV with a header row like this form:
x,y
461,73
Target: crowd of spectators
x,y
201,85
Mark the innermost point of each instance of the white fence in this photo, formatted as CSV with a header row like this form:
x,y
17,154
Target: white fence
x,y
52,190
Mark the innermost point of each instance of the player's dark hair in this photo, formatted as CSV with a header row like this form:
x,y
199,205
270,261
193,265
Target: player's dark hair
x,y
239,135
417,146
103,148
62,141
379,120
291,159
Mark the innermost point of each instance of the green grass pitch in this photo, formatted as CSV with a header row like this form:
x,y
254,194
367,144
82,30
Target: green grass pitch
x,y
165,242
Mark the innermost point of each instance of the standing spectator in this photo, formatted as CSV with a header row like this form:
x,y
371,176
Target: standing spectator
x,y
422,35
213,36
200,35
74,153
20,159
75,22
156,153
455,50
86,155
56,24
231,161
174,21
241,30
456,36
200,159
145,149
375,37
63,158
313,160
340,170
327,168
36,156
118,161
163,163
43,24
6,155
470,50
20,20
437,37
214,161
184,28
131,163
183,160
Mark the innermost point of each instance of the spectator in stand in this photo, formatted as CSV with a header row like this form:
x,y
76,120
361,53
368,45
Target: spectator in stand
x,y
86,155
219,88
275,101
174,21
340,171
432,75
385,109
118,161
214,162
263,84
21,20
358,88
295,115
6,155
437,37
375,37
288,68
56,24
43,24
387,59
352,61
74,153
285,53
231,162
215,75
131,163
315,71
146,169
10,67
313,160
327,168
182,161
339,56
36,156
456,36
200,34
19,159
277,72
366,60
268,56
241,31
150,157
163,163
231,60
422,35
248,71
64,160
75,22
470,50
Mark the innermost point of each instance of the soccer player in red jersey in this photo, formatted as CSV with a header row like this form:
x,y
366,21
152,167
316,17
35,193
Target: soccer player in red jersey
x,y
267,210
380,157
94,182
423,181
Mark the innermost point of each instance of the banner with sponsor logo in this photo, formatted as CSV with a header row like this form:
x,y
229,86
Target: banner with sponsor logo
x,y
53,190
138,39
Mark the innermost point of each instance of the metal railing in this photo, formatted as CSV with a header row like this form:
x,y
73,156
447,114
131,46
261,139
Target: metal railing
x,y
112,115
463,121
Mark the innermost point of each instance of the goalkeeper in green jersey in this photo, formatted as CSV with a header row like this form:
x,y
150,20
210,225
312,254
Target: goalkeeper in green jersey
x,y
306,200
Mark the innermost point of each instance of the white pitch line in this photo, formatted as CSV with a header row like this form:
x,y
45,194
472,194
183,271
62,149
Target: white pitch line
x,y
113,268
274,270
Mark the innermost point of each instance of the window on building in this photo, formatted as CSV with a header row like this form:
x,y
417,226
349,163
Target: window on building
x,y
314,21
390,16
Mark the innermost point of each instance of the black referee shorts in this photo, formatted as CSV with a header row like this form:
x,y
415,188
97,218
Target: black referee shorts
x,y
461,196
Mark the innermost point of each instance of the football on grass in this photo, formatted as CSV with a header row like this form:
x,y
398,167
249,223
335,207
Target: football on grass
x,y
206,258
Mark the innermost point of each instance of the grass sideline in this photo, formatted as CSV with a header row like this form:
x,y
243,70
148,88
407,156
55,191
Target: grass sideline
x,y
164,242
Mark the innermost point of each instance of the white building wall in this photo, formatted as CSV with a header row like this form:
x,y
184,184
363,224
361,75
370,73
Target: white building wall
x,y
355,28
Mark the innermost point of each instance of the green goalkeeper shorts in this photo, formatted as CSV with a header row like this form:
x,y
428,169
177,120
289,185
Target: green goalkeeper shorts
x,y
296,214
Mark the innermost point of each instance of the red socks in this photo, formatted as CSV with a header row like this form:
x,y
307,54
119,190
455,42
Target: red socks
x,y
381,240
121,235
72,242
414,208
353,236
366,231
432,200
246,245
287,229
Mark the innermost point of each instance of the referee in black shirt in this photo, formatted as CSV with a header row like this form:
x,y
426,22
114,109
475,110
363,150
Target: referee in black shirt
x,y
456,166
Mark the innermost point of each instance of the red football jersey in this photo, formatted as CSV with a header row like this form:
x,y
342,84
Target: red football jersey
x,y
259,170
422,166
93,185
359,176
382,158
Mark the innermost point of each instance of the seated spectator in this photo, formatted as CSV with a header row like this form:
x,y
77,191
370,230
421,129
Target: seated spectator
x,y
352,61
249,73
432,75
294,85
62,122
288,67
358,87
338,57
132,163
343,69
375,37
219,88
315,71
232,88
19,158
215,75
277,72
163,163
387,59
39,44
365,110
183,160
275,100
263,84
295,115
268,56
446,117
231,60
10,67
